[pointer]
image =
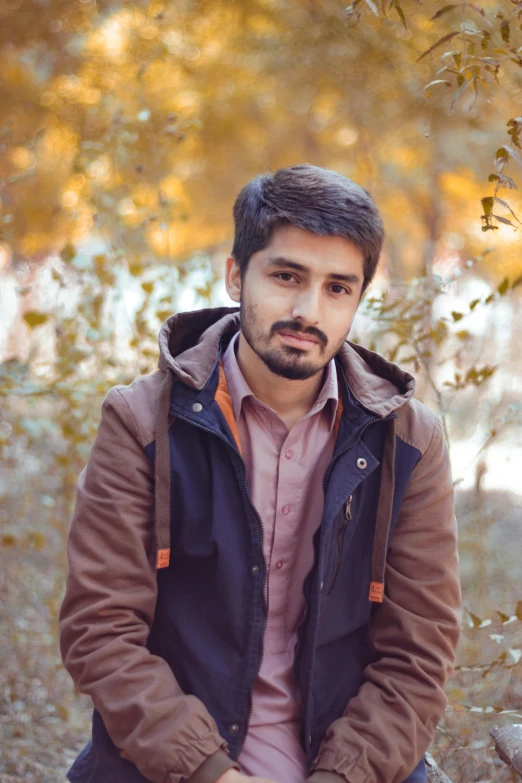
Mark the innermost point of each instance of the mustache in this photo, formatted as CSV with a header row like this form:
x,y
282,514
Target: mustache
x,y
292,326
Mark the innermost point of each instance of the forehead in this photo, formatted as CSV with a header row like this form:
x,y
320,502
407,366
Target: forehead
x,y
324,255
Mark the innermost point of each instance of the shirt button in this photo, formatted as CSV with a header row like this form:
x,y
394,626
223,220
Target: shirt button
x,y
279,564
289,454
285,510
255,569
361,463
234,728
197,407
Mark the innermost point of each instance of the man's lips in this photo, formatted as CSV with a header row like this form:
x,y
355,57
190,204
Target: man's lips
x,y
299,338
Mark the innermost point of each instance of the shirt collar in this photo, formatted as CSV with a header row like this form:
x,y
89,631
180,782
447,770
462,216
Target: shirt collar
x,y
240,390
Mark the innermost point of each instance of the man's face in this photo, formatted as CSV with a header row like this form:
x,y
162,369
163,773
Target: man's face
x,y
298,299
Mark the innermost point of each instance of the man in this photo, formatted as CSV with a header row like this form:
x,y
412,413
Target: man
x,y
263,557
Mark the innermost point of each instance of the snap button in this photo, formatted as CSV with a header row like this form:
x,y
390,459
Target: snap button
x,y
362,463
279,564
255,569
234,728
197,407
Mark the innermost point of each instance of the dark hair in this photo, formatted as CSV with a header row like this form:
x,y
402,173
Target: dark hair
x,y
318,200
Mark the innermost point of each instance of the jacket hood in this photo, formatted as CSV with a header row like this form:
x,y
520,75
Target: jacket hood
x,y
189,342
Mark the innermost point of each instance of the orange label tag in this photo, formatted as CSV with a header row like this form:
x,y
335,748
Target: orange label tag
x,y
376,592
163,558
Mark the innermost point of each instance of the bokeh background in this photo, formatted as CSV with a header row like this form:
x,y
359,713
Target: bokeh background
x,y
126,131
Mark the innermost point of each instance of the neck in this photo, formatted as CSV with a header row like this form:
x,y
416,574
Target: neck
x,y
284,396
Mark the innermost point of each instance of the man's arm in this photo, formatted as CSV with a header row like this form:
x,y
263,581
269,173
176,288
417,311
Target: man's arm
x,y
388,726
108,609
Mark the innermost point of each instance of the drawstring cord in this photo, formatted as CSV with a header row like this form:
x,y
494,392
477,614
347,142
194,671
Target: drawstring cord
x,y
162,473
384,517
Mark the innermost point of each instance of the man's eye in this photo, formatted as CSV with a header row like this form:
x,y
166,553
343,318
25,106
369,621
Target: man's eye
x,y
284,276
339,289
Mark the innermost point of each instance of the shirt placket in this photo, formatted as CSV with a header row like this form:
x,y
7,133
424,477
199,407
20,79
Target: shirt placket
x,y
283,541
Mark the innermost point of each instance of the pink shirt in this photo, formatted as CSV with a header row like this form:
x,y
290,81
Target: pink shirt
x,y
284,470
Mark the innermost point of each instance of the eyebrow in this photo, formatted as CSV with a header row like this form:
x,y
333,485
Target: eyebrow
x,y
281,261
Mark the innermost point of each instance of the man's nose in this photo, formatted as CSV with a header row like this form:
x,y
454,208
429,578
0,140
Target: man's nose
x,y
307,306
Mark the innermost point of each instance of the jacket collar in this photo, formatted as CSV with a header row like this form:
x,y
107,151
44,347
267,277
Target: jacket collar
x,y
190,346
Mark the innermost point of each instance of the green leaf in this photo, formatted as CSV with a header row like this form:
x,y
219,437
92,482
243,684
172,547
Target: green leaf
x,y
473,304
487,205
515,129
475,619
68,252
477,376
477,9
504,30
441,41
163,314
33,318
456,316
351,10
504,220
372,5
486,38
506,206
436,81
99,261
148,287
507,182
462,89
396,4
503,287
501,156
514,154
443,11
453,53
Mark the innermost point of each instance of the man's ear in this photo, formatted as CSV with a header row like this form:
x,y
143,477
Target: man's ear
x,y
233,279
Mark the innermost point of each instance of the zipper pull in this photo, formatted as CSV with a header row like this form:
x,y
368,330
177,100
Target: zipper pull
x,y
348,509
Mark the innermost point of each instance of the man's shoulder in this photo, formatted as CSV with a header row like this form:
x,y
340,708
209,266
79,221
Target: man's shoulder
x,y
139,400
417,424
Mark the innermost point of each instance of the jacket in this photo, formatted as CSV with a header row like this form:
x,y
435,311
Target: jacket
x,y
163,617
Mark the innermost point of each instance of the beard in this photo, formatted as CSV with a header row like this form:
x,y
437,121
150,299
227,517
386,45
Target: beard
x,y
285,361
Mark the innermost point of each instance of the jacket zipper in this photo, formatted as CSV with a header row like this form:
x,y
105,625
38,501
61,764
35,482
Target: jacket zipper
x,y
299,629
340,541
265,580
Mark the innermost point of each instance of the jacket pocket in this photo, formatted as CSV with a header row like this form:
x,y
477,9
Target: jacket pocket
x,y
341,530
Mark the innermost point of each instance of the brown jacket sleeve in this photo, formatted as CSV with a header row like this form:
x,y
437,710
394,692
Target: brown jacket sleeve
x,y
108,609
388,726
